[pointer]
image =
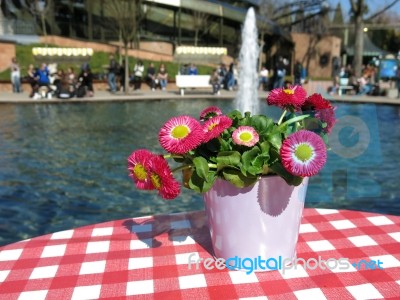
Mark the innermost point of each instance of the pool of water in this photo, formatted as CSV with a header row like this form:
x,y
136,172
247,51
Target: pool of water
x,y
64,165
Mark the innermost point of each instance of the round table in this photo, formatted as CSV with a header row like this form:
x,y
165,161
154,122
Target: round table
x,y
147,258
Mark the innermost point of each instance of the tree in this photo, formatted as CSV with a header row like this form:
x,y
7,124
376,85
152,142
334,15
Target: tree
x,y
358,9
124,18
387,39
41,8
200,20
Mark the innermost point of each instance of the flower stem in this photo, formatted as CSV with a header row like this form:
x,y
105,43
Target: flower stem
x,y
183,167
293,120
169,155
282,116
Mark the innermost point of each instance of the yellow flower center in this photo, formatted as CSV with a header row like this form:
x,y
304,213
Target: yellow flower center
x,y
288,91
140,172
156,181
246,136
180,131
211,126
303,152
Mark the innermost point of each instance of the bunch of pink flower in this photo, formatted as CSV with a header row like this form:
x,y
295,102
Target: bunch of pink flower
x,y
238,148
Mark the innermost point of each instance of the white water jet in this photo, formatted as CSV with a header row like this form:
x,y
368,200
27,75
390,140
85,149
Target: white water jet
x,y
247,95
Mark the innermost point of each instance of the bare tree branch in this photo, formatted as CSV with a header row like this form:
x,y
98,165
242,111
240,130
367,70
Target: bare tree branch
x,y
382,10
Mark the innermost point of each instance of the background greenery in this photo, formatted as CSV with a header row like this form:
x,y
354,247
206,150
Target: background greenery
x,y
98,63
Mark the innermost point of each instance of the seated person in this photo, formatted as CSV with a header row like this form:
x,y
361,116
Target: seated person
x,y
365,87
193,69
42,76
215,82
65,90
151,76
85,83
162,77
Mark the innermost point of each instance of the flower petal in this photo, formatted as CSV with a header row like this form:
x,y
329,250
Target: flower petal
x,y
162,179
138,166
303,153
215,126
181,134
246,136
293,96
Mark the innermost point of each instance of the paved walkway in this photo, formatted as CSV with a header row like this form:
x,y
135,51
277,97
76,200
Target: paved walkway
x,y
102,96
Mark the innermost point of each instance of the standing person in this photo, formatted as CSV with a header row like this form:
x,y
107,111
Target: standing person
x,y
151,76
398,80
231,77
121,72
298,71
138,74
112,72
32,80
264,78
222,73
336,67
279,73
15,76
162,76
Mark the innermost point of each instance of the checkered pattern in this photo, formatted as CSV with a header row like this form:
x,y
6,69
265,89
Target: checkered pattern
x,y
147,258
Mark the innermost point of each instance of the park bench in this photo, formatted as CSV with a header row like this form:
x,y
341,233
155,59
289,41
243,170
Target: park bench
x,y
344,86
192,81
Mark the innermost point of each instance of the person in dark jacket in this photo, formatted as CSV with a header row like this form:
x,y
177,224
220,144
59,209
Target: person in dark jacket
x,y
85,83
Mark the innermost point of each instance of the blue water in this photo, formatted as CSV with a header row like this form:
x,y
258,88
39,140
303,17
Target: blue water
x,y
64,165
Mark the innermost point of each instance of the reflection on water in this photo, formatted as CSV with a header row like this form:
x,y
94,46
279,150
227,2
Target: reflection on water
x,y
64,165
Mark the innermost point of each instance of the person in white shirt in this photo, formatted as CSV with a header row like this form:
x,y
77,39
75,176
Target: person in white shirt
x,y
263,78
15,76
138,75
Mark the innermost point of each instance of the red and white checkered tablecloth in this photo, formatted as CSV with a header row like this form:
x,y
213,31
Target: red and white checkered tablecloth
x,y
146,258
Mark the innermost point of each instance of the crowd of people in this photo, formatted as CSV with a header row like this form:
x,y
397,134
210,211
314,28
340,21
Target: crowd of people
x,y
50,82
47,81
367,84
155,78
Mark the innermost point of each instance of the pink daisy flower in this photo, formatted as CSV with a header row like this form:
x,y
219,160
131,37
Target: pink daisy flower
x,y
246,136
294,96
315,102
303,153
215,126
162,179
181,134
210,112
324,110
327,116
138,166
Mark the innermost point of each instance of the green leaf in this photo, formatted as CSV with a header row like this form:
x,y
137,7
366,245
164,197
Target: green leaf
x,y
199,184
288,177
264,147
275,140
261,123
249,156
201,167
235,114
238,179
228,159
261,160
293,120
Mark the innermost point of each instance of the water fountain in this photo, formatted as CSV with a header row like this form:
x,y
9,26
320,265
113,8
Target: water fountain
x,y
247,96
